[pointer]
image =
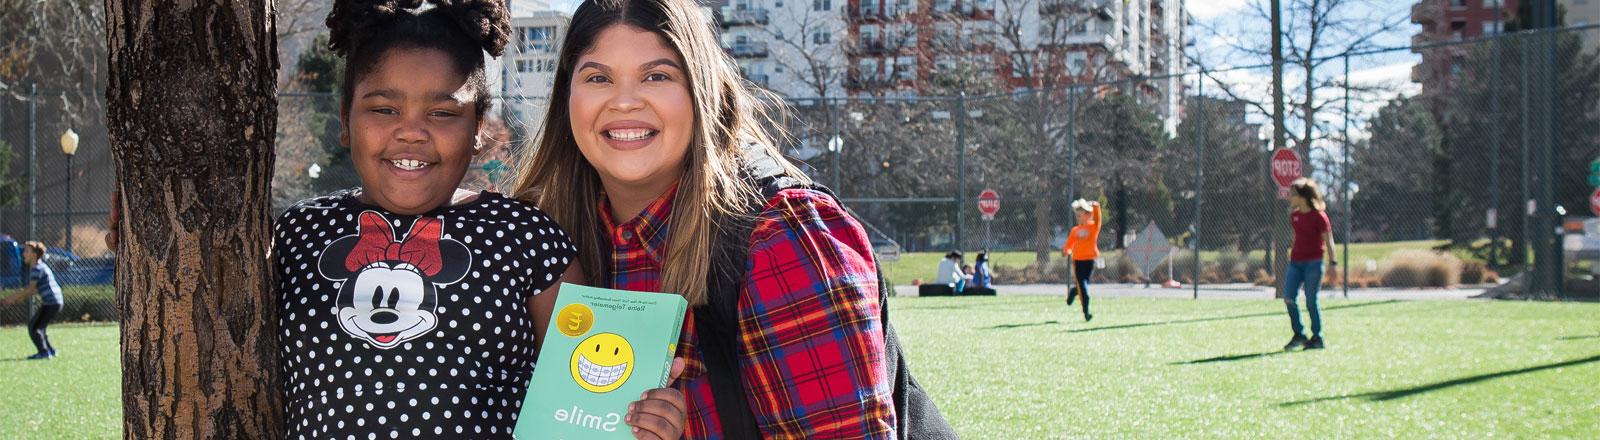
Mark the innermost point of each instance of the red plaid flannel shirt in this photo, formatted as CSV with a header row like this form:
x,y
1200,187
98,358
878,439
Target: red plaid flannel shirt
x,y
813,349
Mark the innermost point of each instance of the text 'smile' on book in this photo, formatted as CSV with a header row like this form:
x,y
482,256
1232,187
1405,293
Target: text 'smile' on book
x,y
603,349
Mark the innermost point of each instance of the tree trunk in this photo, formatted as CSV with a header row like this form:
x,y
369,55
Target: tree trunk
x,y
192,114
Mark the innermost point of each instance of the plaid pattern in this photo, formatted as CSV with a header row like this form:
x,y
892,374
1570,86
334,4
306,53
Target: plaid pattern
x,y
813,348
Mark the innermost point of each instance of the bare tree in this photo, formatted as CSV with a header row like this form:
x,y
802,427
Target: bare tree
x,y
807,46
1315,34
192,113
58,46
1048,70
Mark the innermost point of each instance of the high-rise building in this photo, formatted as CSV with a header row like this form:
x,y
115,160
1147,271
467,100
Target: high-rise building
x,y
791,47
1445,21
809,48
528,67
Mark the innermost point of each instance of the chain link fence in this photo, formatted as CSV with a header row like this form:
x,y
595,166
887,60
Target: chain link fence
x,y
1436,184
1448,172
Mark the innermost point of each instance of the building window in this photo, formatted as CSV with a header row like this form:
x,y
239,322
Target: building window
x,y
944,33
1077,63
524,66
869,68
821,5
538,38
905,68
1458,3
821,36
943,5
908,35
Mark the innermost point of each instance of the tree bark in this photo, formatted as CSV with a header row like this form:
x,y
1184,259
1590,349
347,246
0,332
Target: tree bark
x,y
192,113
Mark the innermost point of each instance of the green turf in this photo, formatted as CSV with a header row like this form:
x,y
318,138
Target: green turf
x,y
913,265
1027,367
77,395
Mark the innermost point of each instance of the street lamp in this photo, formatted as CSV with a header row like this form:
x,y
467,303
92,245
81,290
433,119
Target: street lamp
x,y
69,147
836,145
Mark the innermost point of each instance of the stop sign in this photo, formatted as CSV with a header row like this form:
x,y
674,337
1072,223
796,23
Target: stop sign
x,y
1285,167
1594,201
988,203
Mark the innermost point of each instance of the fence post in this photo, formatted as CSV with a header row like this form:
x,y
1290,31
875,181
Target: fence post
x,y
1528,277
1344,174
1072,149
1493,215
1199,182
961,162
33,168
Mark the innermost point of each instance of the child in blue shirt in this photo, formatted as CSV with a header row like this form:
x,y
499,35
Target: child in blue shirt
x,y
43,282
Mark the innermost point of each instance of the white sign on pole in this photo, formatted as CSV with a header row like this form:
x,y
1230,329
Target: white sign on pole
x,y
1149,248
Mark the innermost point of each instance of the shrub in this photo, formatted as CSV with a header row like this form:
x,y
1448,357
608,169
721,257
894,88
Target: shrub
x,y
1476,272
1421,269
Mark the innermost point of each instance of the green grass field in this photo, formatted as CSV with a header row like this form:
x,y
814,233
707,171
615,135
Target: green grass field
x,y
913,265
1026,367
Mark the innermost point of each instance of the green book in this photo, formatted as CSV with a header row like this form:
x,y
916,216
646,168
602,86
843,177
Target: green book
x,y
603,349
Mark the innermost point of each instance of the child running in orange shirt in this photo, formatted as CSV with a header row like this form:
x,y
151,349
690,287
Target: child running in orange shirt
x,y
1083,248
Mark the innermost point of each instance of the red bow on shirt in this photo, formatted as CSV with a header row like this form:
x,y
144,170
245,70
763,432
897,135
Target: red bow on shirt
x,y
377,243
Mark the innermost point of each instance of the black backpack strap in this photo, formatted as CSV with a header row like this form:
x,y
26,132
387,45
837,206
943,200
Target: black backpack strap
x,y
717,330
717,323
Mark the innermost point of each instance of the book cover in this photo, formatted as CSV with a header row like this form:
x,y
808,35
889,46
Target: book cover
x,y
603,349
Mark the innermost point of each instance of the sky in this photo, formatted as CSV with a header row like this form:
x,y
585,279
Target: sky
x,y
1390,70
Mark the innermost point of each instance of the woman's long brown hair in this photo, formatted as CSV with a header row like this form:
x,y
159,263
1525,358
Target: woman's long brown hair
x,y
728,115
1307,189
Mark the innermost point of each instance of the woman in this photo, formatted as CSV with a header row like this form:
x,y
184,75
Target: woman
x,y
641,162
1312,238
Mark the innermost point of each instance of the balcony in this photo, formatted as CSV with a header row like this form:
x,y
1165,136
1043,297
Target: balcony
x,y
860,81
868,12
732,16
1424,12
749,49
1419,40
874,46
759,79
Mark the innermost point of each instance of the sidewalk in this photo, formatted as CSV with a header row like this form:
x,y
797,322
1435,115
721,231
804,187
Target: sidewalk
x,y
1224,291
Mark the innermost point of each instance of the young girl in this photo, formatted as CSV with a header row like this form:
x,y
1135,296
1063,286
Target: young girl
x,y
1083,247
410,308
1312,238
41,281
644,159
981,276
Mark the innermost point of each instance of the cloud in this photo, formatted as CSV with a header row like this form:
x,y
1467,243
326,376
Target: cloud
x,y
1207,9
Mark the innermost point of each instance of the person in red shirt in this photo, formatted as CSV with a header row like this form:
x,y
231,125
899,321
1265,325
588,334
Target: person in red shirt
x,y
1313,237
642,160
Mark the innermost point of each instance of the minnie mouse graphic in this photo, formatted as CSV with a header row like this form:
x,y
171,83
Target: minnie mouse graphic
x,y
389,290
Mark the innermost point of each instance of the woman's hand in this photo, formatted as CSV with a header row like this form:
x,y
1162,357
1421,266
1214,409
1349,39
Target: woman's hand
x,y
660,413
